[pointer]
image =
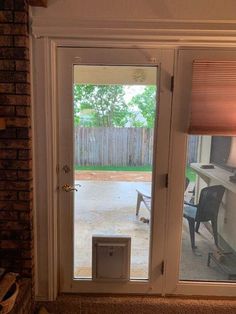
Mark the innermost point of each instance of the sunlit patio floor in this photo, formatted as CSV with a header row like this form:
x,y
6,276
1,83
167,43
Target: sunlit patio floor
x,y
108,208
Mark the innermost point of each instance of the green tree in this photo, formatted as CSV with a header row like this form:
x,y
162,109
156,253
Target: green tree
x,y
146,104
100,105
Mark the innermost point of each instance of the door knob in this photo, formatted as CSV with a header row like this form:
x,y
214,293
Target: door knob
x,y
68,188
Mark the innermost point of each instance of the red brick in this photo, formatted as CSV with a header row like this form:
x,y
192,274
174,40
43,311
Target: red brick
x,y
16,205
10,263
14,53
27,263
8,195
9,76
20,5
26,254
25,215
14,225
6,88
21,41
24,175
22,65
7,111
15,186
24,196
10,254
8,154
6,16
6,5
15,164
24,154
15,244
19,122
23,89
21,205
6,41
8,133
27,272
20,17
16,235
6,234
8,175
20,144
22,100
26,235
7,65
16,221
8,215
23,111
24,133
13,29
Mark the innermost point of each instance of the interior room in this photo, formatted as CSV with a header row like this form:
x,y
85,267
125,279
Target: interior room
x,y
117,156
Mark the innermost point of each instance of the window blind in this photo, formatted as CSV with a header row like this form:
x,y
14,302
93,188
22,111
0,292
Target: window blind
x,y
213,98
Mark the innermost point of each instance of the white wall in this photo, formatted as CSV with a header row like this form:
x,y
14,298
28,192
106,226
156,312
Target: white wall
x,y
165,21
139,9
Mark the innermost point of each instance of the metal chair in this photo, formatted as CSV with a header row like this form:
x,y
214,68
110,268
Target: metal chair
x,y
206,210
146,199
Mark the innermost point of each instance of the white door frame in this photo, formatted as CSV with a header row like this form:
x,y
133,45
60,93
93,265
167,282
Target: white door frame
x,y
177,166
163,59
45,113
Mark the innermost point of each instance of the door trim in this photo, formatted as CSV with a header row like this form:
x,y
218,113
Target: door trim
x,y
44,104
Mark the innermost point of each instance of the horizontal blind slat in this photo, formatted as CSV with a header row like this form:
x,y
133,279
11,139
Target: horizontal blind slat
x,y
213,97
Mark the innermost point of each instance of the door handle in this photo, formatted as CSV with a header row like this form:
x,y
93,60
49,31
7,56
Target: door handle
x,y
68,188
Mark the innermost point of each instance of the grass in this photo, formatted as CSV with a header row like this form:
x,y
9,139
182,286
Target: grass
x,y
189,172
114,168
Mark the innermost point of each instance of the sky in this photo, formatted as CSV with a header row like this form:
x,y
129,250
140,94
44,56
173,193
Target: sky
x,y
132,90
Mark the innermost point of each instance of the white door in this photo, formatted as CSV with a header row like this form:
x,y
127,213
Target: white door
x,y
114,108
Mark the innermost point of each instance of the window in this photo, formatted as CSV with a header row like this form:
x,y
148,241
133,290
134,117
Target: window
x,y
209,268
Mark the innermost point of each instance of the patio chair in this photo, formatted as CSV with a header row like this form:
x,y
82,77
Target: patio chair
x,y
206,210
146,199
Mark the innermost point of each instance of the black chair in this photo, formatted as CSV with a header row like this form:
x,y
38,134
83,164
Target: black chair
x,y
206,210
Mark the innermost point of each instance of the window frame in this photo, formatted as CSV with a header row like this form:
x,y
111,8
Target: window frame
x,y
177,164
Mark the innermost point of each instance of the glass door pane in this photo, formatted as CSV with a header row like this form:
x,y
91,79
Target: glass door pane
x,y
209,210
114,118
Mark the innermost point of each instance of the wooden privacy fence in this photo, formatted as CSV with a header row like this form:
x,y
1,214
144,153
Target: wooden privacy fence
x,y
114,146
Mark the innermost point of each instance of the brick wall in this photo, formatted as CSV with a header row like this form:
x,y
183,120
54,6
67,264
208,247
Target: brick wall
x,y
15,141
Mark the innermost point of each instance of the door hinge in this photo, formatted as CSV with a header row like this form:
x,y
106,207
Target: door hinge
x,y
162,267
172,83
57,169
167,180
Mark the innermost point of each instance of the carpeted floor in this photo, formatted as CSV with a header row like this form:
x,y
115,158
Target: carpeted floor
x,y
71,304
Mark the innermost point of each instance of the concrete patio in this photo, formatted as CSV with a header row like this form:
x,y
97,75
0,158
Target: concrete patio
x,y
108,208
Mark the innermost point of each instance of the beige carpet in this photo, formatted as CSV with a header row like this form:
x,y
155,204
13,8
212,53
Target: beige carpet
x,y
69,304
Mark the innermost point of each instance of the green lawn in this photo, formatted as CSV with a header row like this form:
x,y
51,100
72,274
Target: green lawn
x,y
189,172
113,168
